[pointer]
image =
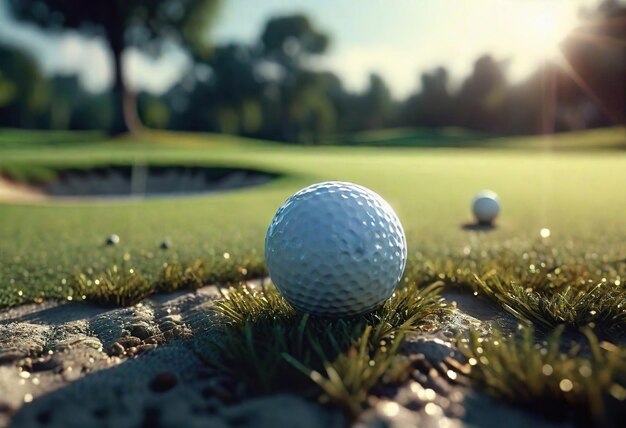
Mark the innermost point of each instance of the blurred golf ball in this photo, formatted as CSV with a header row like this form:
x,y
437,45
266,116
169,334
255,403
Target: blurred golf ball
x,y
112,239
335,249
486,206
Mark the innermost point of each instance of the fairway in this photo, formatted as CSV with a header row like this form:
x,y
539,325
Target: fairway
x,y
577,194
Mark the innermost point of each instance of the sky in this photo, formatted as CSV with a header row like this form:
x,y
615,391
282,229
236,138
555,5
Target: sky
x,y
398,39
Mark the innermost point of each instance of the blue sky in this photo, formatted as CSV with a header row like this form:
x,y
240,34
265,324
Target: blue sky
x,y
396,38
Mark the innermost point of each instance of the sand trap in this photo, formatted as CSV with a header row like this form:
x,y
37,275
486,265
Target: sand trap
x,y
136,181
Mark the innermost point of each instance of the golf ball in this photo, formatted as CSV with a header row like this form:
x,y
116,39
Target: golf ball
x,y
335,249
486,206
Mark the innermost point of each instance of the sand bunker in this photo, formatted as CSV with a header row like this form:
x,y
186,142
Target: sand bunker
x,y
78,365
134,181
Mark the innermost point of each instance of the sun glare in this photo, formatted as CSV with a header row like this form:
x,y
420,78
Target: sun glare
x,y
544,27
528,32
545,31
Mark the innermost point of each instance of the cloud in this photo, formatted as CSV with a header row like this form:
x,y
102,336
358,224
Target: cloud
x,y
155,75
86,57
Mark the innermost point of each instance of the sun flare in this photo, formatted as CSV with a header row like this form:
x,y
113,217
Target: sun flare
x,y
542,28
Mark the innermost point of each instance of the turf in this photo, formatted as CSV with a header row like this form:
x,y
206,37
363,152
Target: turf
x,y
578,195
585,384
570,278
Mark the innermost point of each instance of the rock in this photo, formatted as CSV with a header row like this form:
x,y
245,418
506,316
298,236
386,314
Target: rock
x,y
129,341
116,350
165,244
140,330
144,348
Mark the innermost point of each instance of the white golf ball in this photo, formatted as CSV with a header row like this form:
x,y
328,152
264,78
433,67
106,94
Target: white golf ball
x,y
486,206
335,249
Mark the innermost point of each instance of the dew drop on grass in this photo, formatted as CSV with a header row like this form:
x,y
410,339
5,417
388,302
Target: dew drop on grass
x,y
618,392
432,409
547,369
566,385
391,409
429,394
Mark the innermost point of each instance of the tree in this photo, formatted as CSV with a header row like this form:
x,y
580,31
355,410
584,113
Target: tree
x,y
304,112
376,103
596,55
483,95
432,107
227,100
146,24
290,39
23,90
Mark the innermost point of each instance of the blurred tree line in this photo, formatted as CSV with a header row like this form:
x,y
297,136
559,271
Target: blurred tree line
x,y
268,89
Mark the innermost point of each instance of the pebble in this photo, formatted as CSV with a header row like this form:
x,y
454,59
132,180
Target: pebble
x,y
116,350
152,340
166,244
168,325
142,331
145,348
129,341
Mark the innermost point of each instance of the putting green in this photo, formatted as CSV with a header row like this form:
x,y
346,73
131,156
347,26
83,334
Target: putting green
x,y
576,192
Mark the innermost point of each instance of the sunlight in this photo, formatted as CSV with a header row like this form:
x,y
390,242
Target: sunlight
x,y
544,27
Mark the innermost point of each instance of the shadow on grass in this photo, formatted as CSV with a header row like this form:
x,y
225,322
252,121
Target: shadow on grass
x,y
478,227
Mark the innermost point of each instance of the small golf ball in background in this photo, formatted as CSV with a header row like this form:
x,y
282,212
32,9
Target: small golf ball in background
x,y
335,249
112,239
486,206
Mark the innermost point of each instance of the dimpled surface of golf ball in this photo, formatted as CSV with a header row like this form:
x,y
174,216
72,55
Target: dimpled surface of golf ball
x,y
335,249
486,206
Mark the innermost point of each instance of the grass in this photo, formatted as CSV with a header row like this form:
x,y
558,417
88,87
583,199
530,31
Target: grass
x,y
43,247
462,138
585,384
569,184
273,347
547,301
